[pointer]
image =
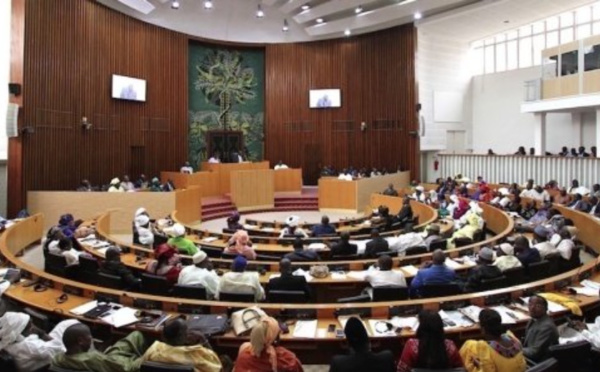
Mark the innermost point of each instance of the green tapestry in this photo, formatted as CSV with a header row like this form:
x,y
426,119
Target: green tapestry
x,y
226,91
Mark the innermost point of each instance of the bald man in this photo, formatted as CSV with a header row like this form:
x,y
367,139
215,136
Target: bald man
x,y
288,281
434,272
124,356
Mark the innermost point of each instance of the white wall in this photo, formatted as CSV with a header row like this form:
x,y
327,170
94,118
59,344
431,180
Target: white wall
x,y
499,124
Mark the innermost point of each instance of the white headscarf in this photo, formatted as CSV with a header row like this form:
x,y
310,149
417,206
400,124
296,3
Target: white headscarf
x,y
140,211
11,327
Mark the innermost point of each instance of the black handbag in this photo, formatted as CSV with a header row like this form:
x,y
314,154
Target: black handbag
x,y
208,324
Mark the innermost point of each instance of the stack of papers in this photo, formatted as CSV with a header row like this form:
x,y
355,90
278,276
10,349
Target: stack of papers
x,y
122,317
553,307
410,270
338,275
358,275
209,239
317,246
455,319
268,229
82,309
510,316
305,329
589,288
471,312
452,264
306,274
407,322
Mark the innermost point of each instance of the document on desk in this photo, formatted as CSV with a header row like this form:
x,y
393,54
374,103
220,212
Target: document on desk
x,y
122,317
317,246
510,316
102,251
305,274
338,275
358,275
410,270
471,312
455,319
591,284
585,291
82,309
406,322
210,239
452,264
553,307
305,329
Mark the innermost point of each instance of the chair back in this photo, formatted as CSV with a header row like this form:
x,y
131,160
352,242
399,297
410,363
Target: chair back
x,y
55,264
109,281
387,253
390,293
495,283
462,241
574,356
538,270
266,257
236,297
419,249
354,299
515,275
548,365
212,252
161,367
228,256
438,244
40,320
287,297
440,290
347,257
155,284
88,269
196,292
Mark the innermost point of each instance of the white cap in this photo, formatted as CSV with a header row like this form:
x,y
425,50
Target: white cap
x,y
176,230
199,257
114,181
420,188
141,220
508,249
292,221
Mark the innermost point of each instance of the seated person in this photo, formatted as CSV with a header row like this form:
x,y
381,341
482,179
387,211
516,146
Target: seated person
x,y
288,281
30,347
123,356
538,193
142,182
240,244
461,209
562,197
467,231
578,331
301,254
576,189
430,349
579,204
361,358
434,272
524,253
187,168
528,210
384,276
168,186
405,214
233,222
324,228
343,246
505,257
501,200
179,347
113,266
563,243
390,191
68,225
145,236
238,280
215,158
485,269
498,351
541,332
280,165
452,205
65,245
419,194
262,355
594,205
433,234
292,228
200,273
377,244
541,243
85,186
115,185
127,185
155,185
180,242
167,263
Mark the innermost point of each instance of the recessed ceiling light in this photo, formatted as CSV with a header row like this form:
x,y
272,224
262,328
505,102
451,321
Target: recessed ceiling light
x,y
418,15
305,7
358,9
285,26
174,4
259,12
507,21
319,20
208,4
347,32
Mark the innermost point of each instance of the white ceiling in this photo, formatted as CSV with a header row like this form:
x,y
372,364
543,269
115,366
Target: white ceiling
x,y
478,21
235,20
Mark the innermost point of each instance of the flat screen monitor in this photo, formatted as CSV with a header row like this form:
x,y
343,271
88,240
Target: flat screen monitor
x,y
325,98
128,88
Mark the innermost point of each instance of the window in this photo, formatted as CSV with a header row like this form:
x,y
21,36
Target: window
x,y
512,55
489,59
500,57
569,63
525,52
592,58
539,44
566,35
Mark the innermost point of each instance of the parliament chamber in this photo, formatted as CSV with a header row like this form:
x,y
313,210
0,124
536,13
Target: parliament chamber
x,y
316,170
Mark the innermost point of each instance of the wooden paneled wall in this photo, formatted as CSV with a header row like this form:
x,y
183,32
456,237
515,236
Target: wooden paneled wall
x,y
376,75
71,50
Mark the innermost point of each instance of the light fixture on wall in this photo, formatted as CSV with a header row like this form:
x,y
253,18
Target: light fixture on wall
x,y
85,124
175,4
418,15
259,12
305,7
208,4
358,9
320,20
286,27
347,32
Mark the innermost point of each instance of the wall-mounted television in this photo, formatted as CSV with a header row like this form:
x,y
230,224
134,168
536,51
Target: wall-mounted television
x,y
128,88
325,98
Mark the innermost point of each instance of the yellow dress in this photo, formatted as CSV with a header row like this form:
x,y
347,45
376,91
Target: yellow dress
x,y
203,359
479,356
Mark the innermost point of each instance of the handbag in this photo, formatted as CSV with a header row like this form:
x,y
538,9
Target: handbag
x,y
319,271
244,320
208,324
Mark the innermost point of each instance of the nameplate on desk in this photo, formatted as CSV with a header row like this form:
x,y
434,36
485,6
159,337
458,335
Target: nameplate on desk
x,y
497,299
364,312
405,310
146,304
298,314
104,297
72,290
454,305
193,309
336,267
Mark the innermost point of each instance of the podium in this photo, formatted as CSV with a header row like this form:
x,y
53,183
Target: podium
x,y
253,189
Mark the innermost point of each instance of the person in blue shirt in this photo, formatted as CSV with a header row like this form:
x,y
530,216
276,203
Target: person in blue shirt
x,y
324,228
435,272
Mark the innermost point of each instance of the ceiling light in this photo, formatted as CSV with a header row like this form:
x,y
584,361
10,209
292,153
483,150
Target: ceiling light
x,y
319,20
174,4
418,15
259,12
347,32
208,4
358,9
305,7
285,26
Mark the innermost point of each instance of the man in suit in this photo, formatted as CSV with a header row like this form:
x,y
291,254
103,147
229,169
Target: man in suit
x,y
541,332
390,191
343,247
324,228
376,245
485,269
361,358
288,281
579,204
301,254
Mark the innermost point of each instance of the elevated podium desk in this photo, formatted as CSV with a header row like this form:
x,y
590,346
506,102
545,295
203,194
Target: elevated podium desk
x,y
288,180
207,182
253,189
223,172
355,195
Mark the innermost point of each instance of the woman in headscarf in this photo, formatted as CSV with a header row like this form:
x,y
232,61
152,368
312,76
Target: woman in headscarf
x,y
292,228
260,354
240,244
167,263
463,207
